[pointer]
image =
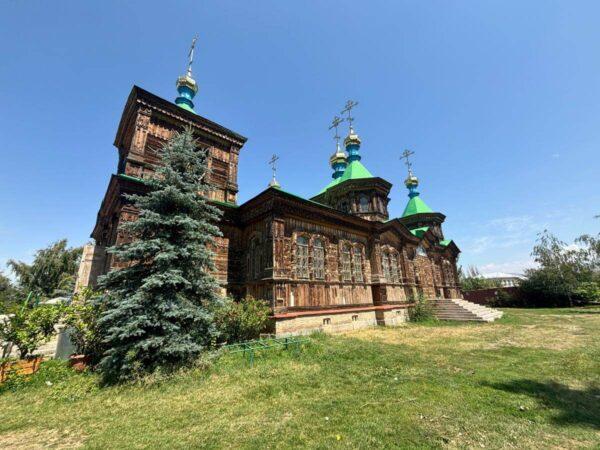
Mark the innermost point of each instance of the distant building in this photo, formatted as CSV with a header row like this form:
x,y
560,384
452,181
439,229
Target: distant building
x,y
504,279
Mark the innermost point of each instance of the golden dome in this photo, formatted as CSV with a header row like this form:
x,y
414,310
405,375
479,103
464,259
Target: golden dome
x,y
338,156
411,180
352,138
187,81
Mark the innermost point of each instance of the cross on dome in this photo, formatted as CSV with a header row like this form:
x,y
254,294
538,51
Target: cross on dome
x,y
273,163
348,110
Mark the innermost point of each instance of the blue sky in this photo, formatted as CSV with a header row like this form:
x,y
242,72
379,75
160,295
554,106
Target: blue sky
x,y
500,100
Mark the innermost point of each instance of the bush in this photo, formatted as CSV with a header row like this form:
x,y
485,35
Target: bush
x,y
422,311
30,325
506,298
82,318
242,321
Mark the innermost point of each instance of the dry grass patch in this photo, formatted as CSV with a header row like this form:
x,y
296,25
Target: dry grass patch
x,y
41,439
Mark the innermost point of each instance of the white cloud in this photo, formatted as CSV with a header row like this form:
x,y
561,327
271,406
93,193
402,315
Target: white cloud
x,y
517,266
514,224
479,245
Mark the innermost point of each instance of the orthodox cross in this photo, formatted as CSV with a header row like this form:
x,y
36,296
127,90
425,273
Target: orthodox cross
x,y
406,155
272,162
191,57
348,109
335,123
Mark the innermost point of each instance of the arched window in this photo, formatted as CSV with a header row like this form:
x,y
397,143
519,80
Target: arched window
x,y
385,265
318,259
394,268
357,265
363,203
302,257
421,251
346,271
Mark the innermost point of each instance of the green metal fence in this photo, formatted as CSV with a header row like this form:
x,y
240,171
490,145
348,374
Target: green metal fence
x,y
250,348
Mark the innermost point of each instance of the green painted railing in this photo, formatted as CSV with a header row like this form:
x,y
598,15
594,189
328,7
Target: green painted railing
x,y
250,348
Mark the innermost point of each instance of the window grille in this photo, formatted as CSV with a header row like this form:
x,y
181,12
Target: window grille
x,y
346,269
394,268
385,266
319,259
357,265
302,257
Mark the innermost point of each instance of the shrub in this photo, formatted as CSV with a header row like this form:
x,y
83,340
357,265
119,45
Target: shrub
x,y
242,321
506,299
82,318
422,311
30,326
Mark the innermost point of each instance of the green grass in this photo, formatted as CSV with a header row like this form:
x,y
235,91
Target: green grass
x,y
530,380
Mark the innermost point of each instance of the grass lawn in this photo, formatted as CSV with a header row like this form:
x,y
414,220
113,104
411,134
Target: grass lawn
x,y
529,380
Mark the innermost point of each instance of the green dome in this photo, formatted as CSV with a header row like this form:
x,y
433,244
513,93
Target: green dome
x,y
416,206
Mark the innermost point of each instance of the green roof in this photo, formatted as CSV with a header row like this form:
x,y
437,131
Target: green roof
x,y
445,242
186,107
419,232
229,204
354,171
416,206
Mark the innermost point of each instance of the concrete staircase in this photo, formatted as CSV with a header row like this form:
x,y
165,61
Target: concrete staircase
x,y
458,309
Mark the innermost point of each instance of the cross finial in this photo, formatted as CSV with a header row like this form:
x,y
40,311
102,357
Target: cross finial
x,y
406,155
348,110
272,163
191,57
335,123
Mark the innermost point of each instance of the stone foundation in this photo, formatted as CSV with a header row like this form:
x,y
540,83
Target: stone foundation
x,y
91,267
338,320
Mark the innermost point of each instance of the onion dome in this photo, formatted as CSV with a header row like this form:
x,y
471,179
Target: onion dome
x,y
338,162
352,144
186,85
415,205
412,182
274,183
187,88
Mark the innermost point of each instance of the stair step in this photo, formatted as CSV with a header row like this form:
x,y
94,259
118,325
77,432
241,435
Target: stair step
x,y
462,310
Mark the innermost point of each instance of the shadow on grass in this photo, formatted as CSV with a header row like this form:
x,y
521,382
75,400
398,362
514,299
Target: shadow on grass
x,y
580,407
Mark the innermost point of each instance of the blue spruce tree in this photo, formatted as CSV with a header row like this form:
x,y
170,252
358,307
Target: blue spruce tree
x,y
157,311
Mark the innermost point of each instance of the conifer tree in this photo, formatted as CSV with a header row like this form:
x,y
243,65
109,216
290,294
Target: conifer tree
x,y
157,311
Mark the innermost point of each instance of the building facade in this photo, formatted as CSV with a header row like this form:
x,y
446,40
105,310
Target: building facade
x,y
335,261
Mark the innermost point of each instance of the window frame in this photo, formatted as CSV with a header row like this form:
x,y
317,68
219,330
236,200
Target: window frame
x,y
302,268
346,262
318,250
357,271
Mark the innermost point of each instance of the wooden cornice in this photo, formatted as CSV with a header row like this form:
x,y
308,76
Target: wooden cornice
x,y
277,199
142,98
400,228
377,183
434,217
